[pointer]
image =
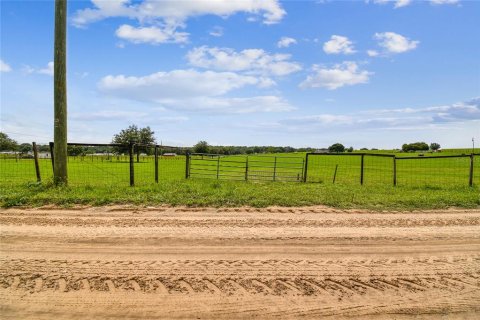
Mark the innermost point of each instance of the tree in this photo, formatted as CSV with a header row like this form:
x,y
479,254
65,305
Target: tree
x,y
201,147
43,148
434,146
350,149
134,134
76,150
337,147
25,148
60,175
6,143
417,146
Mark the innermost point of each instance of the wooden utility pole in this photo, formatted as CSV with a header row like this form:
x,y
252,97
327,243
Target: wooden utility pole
x,y
60,175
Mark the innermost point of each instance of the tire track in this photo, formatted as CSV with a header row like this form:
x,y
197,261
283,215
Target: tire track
x,y
237,263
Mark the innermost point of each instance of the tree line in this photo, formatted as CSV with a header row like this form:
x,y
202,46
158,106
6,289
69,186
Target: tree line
x,y
145,136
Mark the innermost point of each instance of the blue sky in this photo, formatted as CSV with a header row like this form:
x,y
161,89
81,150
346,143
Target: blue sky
x,y
301,73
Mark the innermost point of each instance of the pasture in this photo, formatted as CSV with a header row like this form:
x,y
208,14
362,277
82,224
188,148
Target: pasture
x,y
103,179
98,170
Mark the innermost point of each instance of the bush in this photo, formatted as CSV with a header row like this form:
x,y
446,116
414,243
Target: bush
x,y
416,146
337,147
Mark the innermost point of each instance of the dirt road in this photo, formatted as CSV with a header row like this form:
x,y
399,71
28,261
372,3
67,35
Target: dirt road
x,y
170,263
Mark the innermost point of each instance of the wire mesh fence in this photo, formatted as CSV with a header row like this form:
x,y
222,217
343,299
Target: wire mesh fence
x,y
158,163
434,171
113,164
379,169
385,169
333,168
248,168
16,167
97,164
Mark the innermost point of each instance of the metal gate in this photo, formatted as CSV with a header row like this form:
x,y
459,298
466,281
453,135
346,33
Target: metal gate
x,y
253,167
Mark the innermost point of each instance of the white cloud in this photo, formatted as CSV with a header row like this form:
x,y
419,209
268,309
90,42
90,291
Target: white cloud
x,y
134,116
193,90
397,3
217,31
4,67
152,35
108,115
395,43
286,42
468,110
388,119
171,15
253,61
440,2
337,45
403,3
347,73
161,86
372,53
232,105
321,119
48,70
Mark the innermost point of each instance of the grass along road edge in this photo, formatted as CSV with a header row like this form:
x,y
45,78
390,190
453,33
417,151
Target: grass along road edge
x,y
201,193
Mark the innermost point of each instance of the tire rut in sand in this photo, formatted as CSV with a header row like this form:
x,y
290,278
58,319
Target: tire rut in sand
x,y
238,263
301,278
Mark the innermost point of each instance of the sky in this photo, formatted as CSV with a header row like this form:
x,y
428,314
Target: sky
x,y
366,73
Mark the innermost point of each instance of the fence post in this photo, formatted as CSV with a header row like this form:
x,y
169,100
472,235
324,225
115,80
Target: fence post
x,y
305,171
335,174
362,169
51,155
303,167
471,171
394,170
187,165
218,166
132,169
156,164
274,168
246,170
35,157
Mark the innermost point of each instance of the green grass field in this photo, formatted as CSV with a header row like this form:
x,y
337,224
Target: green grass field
x,y
424,171
425,183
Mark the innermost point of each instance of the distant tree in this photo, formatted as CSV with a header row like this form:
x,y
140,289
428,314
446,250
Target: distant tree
x,y
25,148
337,147
416,146
434,146
201,147
363,149
75,150
6,143
350,149
257,149
43,148
134,134
422,146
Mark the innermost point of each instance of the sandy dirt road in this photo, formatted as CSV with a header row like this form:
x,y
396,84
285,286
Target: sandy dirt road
x,y
312,262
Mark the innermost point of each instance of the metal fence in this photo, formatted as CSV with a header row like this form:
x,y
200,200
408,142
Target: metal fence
x,y
136,164
97,164
384,169
248,168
